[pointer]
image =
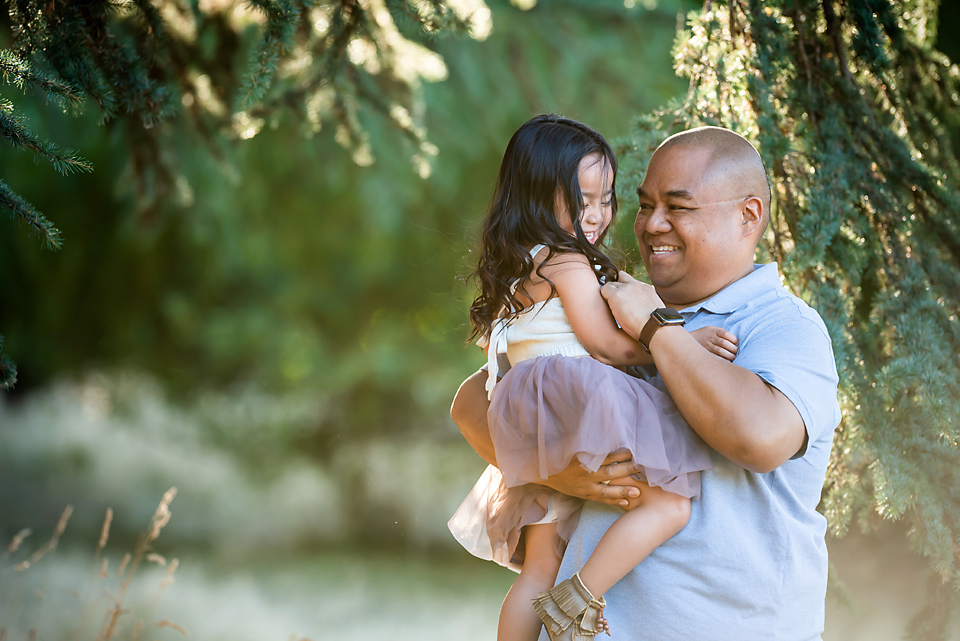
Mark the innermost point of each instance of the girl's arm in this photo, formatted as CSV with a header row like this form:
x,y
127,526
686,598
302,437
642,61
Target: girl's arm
x,y
594,325
588,312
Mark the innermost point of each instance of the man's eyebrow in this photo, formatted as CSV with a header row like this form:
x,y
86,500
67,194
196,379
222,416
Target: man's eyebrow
x,y
673,193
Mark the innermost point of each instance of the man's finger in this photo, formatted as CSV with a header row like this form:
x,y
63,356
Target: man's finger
x,y
624,277
621,455
618,470
618,495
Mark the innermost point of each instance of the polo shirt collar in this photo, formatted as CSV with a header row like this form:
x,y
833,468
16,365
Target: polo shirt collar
x,y
738,293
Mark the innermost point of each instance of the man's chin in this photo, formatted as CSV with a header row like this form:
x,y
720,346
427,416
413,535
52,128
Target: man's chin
x,y
663,283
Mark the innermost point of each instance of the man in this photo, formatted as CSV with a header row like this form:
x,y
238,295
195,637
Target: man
x,y
751,564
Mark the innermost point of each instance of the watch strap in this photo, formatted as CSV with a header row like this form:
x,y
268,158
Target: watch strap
x,y
656,321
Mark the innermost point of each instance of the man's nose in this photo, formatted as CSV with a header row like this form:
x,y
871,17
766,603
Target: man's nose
x,y
656,221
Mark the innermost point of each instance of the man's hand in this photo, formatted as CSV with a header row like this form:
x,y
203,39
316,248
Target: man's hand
x,y
631,301
610,484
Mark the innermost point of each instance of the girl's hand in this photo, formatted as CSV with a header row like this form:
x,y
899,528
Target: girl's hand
x,y
717,341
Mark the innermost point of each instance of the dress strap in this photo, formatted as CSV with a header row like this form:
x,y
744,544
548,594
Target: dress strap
x,y
533,252
496,344
495,347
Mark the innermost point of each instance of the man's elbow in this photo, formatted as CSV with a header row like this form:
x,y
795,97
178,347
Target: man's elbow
x,y
458,413
463,409
761,464
469,407
767,453
469,413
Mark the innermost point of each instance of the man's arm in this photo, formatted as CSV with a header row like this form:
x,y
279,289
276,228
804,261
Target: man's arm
x,y
469,412
732,409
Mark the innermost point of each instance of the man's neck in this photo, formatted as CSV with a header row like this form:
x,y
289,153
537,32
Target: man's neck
x,y
678,305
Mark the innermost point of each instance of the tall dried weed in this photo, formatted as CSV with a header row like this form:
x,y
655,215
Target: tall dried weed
x,y
102,614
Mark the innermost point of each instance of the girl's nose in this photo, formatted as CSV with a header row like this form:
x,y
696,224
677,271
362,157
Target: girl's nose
x,y
592,216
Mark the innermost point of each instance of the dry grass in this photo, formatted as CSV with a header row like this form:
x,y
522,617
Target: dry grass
x,y
102,614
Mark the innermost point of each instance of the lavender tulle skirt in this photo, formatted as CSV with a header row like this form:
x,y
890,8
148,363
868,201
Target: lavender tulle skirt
x,y
547,412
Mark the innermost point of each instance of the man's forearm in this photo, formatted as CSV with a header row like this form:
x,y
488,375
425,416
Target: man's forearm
x,y
731,408
469,412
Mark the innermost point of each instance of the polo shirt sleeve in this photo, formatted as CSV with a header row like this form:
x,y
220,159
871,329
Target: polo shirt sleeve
x,y
792,351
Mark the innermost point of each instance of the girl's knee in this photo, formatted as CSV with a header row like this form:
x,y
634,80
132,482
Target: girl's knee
x,y
672,508
541,559
679,510
543,568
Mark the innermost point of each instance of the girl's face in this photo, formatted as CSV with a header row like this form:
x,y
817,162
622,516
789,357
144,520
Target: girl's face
x,y
596,180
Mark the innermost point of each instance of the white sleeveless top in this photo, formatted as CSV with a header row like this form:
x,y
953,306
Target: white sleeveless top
x,y
539,330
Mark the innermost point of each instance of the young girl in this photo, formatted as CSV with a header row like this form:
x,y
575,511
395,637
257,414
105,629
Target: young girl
x,y
539,312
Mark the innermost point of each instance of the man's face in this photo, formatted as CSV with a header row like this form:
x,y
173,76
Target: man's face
x,y
689,227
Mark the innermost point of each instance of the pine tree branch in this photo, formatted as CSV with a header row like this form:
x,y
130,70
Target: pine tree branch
x,y
23,210
282,21
65,161
8,371
840,51
18,72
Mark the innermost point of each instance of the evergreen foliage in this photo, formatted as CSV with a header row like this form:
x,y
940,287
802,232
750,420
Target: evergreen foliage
x,y
853,111
16,71
300,268
145,66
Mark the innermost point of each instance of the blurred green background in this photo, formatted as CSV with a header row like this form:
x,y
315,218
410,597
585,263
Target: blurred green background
x,y
281,342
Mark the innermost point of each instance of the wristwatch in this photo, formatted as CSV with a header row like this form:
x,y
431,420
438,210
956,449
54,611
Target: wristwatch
x,y
659,318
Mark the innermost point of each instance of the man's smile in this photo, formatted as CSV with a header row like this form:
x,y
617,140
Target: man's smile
x,y
660,250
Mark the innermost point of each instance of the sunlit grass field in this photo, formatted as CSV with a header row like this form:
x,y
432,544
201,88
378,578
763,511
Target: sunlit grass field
x,y
353,548
373,595
327,595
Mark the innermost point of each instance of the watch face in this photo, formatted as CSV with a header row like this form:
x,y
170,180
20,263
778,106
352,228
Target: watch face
x,y
668,316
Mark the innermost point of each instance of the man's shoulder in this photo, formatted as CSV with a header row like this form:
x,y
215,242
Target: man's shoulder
x,y
776,309
759,298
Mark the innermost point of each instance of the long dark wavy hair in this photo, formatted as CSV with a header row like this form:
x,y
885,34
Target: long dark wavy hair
x,y
541,162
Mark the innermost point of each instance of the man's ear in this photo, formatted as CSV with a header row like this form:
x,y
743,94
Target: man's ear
x,y
751,216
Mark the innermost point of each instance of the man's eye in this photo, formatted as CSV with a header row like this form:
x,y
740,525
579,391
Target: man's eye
x,y
645,207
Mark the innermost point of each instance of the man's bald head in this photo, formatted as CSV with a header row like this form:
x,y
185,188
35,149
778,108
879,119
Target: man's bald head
x,y
734,164
704,205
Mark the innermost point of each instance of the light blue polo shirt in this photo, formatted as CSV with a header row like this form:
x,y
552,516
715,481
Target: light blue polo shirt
x,y
751,565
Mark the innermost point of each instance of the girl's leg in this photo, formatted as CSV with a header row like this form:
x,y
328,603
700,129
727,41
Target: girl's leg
x,y
657,516
518,619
